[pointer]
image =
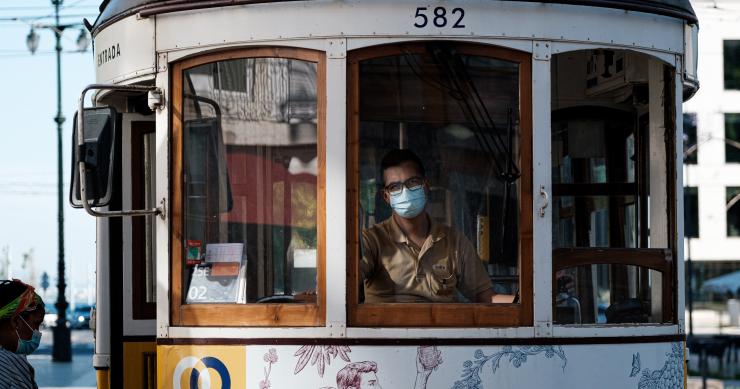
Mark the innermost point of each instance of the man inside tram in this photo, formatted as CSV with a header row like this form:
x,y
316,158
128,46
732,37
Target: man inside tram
x,y
411,258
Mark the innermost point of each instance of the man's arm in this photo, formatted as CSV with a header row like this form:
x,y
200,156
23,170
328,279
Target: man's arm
x,y
488,297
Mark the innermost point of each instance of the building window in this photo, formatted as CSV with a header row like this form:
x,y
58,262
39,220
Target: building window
x,y
691,211
733,210
690,146
732,64
732,137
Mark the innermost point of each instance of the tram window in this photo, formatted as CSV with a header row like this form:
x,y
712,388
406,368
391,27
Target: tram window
x,y
585,294
612,224
143,232
456,108
250,174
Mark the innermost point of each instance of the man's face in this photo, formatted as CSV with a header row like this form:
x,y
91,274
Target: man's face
x,y
399,173
369,381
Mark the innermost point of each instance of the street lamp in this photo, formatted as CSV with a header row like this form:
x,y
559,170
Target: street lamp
x,y
32,41
62,347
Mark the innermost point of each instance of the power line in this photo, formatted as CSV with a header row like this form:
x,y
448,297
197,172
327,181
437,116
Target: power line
x,y
35,18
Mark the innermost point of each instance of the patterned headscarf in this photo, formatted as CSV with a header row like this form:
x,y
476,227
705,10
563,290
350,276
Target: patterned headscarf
x,y
26,302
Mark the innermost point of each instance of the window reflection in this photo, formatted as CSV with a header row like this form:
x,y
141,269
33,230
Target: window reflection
x,y
250,180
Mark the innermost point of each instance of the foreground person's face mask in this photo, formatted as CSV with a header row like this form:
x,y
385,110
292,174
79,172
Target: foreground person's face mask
x,y
26,347
409,203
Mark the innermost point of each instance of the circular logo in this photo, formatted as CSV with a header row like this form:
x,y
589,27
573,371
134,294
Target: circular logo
x,y
200,373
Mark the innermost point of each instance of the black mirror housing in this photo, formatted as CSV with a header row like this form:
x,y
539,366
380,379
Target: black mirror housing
x,y
98,152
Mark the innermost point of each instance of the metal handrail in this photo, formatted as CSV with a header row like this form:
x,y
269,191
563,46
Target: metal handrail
x,y
160,210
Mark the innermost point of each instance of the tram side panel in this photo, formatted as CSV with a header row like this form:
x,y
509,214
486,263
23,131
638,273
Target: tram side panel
x,y
618,366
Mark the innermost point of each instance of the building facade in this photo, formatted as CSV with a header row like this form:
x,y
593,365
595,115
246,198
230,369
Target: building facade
x,y
712,150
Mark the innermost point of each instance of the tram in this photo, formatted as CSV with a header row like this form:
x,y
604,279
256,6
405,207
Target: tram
x,y
234,154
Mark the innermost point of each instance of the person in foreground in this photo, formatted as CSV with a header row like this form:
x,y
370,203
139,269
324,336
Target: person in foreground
x,y
21,314
409,257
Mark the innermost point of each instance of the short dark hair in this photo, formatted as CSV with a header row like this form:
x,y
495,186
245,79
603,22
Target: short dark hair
x,y
349,376
396,157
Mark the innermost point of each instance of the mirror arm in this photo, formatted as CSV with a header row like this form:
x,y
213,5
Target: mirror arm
x,y
160,210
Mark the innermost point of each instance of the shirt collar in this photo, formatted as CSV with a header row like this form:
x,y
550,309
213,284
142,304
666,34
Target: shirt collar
x,y
436,230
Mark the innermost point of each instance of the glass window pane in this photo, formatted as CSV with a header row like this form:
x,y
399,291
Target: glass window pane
x,y
150,238
733,211
250,181
732,136
690,146
608,294
595,221
459,114
732,64
691,211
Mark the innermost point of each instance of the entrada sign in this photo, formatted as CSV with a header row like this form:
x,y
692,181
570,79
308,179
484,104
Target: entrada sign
x,y
109,54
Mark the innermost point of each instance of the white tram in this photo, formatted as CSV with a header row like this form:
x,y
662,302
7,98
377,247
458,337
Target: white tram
x,y
232,154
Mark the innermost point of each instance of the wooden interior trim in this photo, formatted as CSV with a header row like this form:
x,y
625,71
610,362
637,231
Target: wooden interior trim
x,y
141,310
589,189
670,283
245,315
441,315
657,259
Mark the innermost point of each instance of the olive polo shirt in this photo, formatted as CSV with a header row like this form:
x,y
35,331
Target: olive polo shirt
x,y
396,271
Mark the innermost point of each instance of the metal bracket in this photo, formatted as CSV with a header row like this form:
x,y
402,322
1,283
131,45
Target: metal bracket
x,y
543,329
545,200
162,62
163,331
542,50
337,49
339,327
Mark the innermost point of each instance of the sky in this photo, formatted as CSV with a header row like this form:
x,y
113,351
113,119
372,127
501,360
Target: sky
x,y
28,148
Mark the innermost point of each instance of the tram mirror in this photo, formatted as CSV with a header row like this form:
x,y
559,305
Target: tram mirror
x,y
98,154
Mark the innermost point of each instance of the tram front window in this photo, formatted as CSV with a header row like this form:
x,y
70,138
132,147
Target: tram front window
x,y
439,175
250,168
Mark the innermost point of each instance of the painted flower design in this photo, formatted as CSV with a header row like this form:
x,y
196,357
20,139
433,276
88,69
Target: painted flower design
x,y
271,356
320,356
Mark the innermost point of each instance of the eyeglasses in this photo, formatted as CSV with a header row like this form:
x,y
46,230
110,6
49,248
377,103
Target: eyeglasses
x,y
413,183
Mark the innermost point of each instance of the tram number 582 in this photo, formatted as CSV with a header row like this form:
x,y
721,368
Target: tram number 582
x,y
439,17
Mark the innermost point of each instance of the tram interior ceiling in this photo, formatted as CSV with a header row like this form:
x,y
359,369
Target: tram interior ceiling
x,y
612,162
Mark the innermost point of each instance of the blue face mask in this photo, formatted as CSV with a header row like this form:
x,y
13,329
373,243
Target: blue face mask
x,y
409,203
26,347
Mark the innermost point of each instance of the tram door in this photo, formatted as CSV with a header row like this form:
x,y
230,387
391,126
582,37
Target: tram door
x,y
126,321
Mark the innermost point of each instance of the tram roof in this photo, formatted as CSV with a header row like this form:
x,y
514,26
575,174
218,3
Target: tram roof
x,y
112,10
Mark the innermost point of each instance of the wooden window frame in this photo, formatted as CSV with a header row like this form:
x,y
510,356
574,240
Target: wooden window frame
x,y
247,315
441,314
